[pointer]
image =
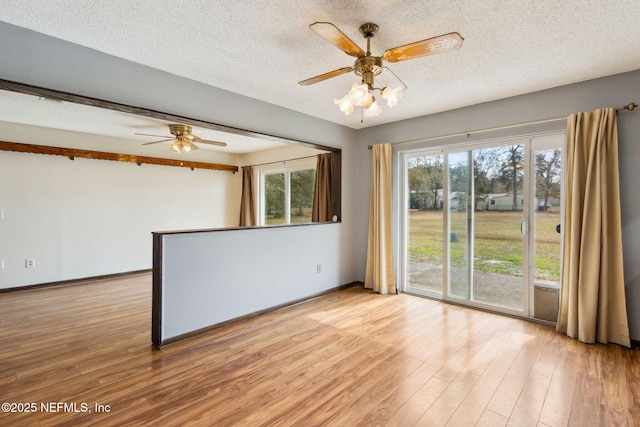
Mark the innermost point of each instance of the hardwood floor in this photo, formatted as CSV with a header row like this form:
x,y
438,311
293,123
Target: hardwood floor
x,y
344,359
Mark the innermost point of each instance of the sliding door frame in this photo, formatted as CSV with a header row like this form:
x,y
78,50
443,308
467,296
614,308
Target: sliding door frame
x,y
529,195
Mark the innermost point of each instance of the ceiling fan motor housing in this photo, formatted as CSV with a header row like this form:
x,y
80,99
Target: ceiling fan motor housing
x,y
368,67
180,130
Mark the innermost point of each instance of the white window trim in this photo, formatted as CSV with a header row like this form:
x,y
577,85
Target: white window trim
x,y
279,168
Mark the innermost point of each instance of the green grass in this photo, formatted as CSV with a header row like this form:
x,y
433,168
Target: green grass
x,y
295,219
498,243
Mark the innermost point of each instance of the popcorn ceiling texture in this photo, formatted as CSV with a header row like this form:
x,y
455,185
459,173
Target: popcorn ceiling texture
x,y
263,48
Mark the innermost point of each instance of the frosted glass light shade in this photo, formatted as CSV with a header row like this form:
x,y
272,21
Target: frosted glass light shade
x,y
358,93
373,111
344,104
392,95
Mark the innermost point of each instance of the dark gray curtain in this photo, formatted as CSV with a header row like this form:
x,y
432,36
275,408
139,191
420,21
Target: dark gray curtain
x,y
247,203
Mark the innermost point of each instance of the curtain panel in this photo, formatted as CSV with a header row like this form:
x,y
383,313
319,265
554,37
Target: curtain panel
x,y
380,272
247,201
321,210
592,299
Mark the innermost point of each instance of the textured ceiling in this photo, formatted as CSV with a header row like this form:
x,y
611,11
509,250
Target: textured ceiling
x,y
263,48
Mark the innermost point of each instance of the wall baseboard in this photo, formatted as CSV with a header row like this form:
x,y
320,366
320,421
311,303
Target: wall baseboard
x,y
202,331
73,282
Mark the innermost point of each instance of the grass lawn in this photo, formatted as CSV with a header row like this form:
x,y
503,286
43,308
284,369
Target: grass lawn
x,y
295,218
498,243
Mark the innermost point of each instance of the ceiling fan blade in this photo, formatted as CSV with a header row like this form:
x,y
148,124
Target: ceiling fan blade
x,y
439,44
147,134
155,142
325,76
333,35
219,144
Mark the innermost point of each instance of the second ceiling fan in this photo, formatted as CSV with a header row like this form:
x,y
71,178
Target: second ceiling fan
x,y
368,66
183,139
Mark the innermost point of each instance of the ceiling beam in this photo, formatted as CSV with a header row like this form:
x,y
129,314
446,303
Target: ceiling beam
x,y
72,153
145,112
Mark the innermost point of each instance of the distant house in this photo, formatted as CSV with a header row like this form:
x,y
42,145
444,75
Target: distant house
x,y
457,200
503,202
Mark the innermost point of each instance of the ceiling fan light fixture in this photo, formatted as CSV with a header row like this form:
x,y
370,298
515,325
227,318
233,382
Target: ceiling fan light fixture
x,y
368,101
358,93
361,95
392,95
180,146
373,110
345,105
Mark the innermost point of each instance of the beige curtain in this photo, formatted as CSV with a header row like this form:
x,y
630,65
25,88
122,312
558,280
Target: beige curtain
x,y
380,274
247,203
592,300
321,210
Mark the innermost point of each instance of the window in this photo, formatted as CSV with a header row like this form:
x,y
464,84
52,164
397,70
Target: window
x,y
286,196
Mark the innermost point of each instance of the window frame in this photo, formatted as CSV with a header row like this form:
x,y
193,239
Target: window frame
x,y
262,172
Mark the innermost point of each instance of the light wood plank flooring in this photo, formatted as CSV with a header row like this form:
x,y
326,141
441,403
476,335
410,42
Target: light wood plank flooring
x,y
348,358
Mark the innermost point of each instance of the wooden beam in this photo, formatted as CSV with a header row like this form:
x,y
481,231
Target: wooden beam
x,y
72,153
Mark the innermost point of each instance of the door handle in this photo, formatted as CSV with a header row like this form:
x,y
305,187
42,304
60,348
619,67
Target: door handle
x,y
558,228
524,227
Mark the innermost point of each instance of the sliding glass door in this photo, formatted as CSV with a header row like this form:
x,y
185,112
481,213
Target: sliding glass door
x,y
487,222
477,221
425,223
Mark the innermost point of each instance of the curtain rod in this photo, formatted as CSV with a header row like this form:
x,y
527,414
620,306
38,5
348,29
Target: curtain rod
x,y
631,106
279,161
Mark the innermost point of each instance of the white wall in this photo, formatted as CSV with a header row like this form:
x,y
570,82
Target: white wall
x,y
277,154
85,218
47,62
212,277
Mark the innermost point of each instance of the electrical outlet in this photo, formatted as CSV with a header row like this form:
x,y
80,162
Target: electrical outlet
x,y
30,263
319,268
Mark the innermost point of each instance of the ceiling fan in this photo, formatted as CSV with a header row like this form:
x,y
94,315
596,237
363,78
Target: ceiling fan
x,y
368,66
183,140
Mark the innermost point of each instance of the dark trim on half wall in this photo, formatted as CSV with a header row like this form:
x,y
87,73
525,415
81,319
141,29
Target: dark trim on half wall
x,y
156,297
72,282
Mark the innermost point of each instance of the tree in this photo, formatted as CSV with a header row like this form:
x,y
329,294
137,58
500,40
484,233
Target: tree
x,y
459,181
484,175
512,170
548,168
274,193
302,188
425,179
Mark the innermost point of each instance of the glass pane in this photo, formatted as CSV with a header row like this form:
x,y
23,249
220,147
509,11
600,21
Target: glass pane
x,y
425,223
548,168
459,224
498,277
302,185
274,199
